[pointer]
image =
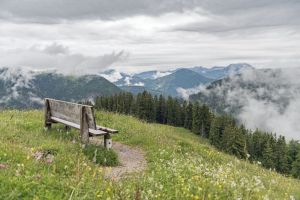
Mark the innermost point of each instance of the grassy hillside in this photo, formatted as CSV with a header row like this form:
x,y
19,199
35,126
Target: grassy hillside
x,y
180,165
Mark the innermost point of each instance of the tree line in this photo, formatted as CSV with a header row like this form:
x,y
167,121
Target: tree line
x,y
222,131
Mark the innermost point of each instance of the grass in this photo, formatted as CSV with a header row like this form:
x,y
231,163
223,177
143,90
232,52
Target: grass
x,y
180,165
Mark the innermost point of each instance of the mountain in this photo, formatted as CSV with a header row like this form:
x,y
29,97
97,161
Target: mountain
x,y
20,88
168,82
222,72
147,75
122,79
139,89
182,78
153,74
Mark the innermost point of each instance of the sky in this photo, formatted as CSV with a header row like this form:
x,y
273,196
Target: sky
x,y
137,35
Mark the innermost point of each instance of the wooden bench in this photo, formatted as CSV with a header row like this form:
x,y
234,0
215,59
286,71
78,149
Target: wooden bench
x,y
77,116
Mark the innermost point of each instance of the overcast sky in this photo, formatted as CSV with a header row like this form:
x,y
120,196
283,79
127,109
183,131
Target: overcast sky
x,y
137,35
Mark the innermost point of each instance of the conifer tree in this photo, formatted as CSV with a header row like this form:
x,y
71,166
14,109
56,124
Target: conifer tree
x,y
161,110
188,120
205,121
268,156
215,132
293,150
196,125
177,113
233,141
281,156
171,118
296,167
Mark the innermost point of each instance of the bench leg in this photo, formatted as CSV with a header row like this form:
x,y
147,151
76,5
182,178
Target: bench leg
x,y
107,141
47,126
84,127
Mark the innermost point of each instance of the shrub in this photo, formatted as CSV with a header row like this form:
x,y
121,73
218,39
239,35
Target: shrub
x,y
100,155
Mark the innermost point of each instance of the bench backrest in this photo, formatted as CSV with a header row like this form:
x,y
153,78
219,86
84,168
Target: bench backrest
x,y
71,112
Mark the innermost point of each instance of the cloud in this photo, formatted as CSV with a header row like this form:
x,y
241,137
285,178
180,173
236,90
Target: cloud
x,y
58,57
225,16
55,49
264,99
160,74
57,11
17,79
158,34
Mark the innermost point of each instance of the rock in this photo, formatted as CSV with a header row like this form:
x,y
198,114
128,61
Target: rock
x,y
49,158
38,155
3,166
46,156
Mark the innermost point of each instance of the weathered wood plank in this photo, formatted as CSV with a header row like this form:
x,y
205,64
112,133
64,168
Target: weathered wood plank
x,y
77,126
71,112
109,130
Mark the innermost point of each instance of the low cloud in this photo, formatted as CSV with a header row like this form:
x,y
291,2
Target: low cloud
x,y
57,56
160,74
264,99
18,79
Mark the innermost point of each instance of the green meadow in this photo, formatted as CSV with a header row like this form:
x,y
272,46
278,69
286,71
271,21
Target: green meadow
x,y
180,165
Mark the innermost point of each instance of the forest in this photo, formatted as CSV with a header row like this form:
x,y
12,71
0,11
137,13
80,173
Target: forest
x,y
222,131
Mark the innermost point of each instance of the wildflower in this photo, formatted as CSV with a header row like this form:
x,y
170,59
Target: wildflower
x,y
292,198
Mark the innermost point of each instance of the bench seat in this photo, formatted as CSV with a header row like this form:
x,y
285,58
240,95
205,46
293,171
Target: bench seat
x,y
77,126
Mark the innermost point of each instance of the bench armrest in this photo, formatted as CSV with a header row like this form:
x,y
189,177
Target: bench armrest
x,y
109,130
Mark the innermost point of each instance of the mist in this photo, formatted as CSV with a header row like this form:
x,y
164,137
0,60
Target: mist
x,y
265,99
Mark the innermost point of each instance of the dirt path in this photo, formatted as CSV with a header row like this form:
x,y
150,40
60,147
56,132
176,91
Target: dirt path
x,y
131,159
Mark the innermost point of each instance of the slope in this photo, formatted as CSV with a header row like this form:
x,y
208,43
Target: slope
x,y
21,88
180,165
182,78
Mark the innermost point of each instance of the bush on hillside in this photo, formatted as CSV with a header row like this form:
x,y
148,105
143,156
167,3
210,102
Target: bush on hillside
x,y
100,155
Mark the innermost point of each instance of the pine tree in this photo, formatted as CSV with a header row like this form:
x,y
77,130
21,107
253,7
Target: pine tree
x,y
293,150
217,129
215,132
234,142
281,155
205,121
196,125
171,118
177,113
296,167
161,110
188,120
268,156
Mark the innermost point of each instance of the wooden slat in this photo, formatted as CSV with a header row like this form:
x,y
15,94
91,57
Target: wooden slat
x,y
97,132
71,124
109,130
77,126
71,111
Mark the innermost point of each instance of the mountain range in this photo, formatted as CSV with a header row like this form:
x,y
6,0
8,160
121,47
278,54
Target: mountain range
x,y
23,88
168,82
